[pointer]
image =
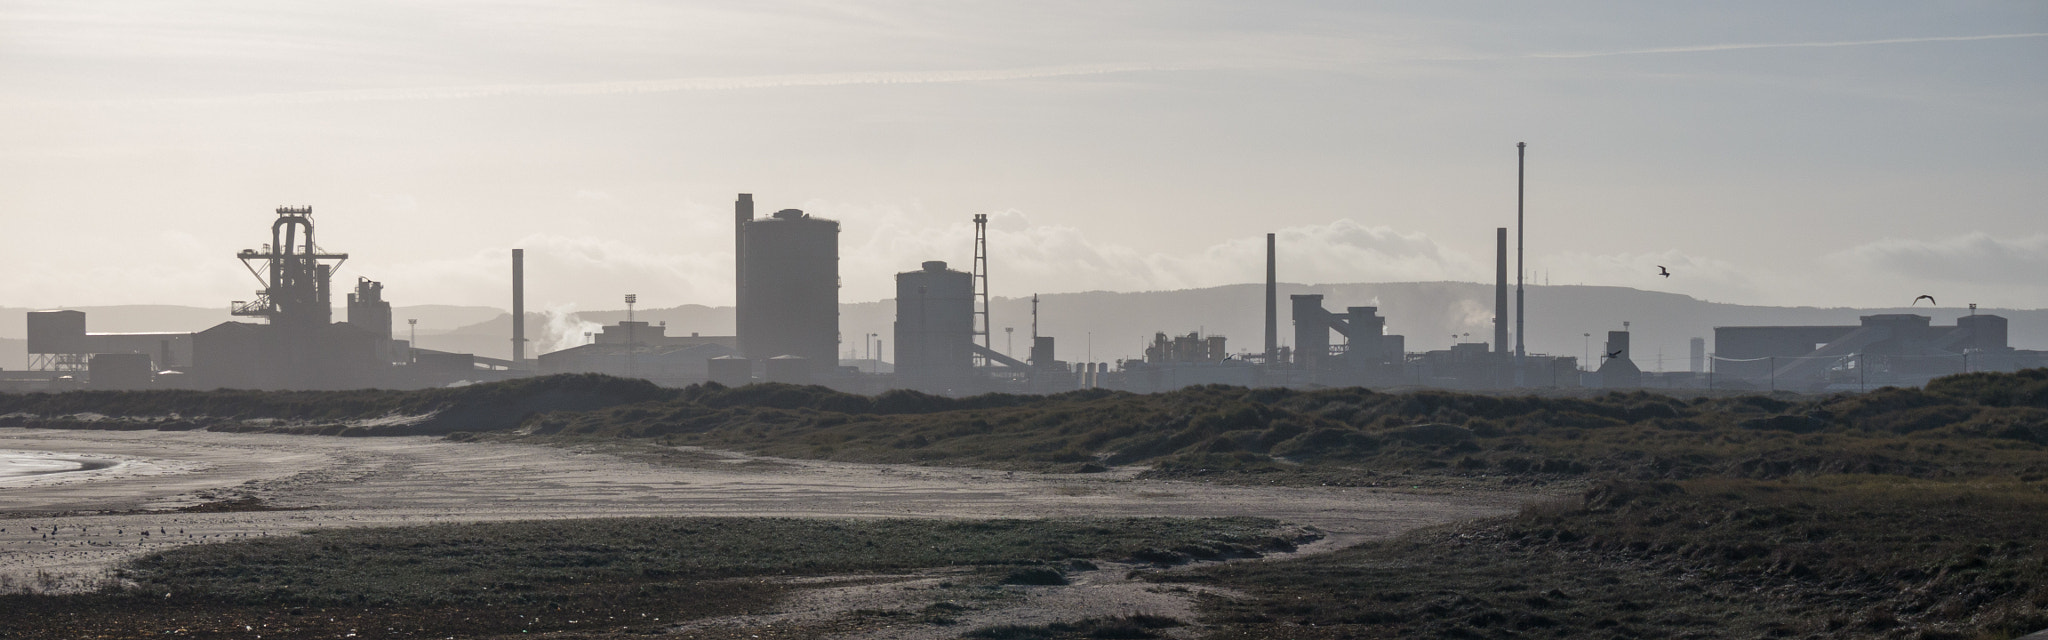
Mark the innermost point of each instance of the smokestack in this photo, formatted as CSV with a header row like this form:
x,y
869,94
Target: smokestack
x,y
1521,156
1272,306
1500,291
518,307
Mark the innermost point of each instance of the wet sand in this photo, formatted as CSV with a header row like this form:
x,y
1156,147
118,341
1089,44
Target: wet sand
x,y
71,527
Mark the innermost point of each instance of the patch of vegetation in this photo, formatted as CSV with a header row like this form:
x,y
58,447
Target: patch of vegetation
x,y
1899,513
1131,626
1993,423
537,576
1835,556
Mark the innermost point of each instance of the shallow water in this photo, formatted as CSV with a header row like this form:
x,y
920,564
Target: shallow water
x,y
14,464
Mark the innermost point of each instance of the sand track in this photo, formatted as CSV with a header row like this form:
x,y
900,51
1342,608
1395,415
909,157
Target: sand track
x,y
99,515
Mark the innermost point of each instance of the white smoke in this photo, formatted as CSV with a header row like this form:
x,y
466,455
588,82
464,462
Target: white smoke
x,y
565,329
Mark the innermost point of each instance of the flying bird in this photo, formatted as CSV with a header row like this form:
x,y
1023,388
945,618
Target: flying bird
x,y
1614,355
1663,271
1930,300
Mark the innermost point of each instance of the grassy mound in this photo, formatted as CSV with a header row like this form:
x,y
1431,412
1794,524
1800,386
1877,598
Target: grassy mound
x,y
1985,422
1837,557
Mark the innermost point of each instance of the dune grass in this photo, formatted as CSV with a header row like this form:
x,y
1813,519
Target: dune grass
x,y
1831,556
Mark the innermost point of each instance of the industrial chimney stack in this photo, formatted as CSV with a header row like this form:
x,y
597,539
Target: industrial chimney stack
x,y
1272,308
1521,316
518,308
1500,290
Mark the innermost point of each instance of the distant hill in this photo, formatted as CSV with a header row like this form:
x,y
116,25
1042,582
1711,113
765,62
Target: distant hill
x,y
1428,313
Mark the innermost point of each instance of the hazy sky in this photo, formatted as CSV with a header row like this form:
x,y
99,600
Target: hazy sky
x,y
1823,153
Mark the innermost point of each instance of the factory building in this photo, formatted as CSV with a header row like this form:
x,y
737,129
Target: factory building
x,y
934,330
298,346
787,279
638,349
1367,356
1617,369
1173,362
58,341
1884,349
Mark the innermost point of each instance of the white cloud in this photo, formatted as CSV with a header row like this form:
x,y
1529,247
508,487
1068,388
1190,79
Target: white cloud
x,y
1026,258
1974,258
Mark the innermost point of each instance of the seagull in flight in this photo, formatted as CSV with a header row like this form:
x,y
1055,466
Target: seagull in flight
x,y
1663,271
1930,300
1616,355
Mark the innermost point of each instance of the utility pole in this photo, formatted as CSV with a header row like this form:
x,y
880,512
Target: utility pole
x,y
412,346
1521,158
630,344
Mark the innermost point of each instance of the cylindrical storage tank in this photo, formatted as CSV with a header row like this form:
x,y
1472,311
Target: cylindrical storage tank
x,y
789,300
787,369
56,332
730,371
934,325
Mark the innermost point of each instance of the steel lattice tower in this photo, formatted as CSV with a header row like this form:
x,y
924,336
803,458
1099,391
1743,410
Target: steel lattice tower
x,y
981,285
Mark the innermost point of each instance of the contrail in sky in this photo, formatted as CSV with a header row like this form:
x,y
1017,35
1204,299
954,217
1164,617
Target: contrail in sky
x,y
658,86
1781,45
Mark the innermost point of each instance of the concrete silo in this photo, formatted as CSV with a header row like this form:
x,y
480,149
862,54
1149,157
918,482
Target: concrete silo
x,y
934,326
788,286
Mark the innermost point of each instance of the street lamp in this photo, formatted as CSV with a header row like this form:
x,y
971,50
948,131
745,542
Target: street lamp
x,y
1010,341
412,342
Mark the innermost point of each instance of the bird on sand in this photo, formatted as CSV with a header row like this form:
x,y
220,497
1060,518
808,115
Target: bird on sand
x,y
1930,300
1663,271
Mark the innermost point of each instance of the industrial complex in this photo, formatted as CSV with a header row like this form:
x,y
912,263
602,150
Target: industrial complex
x,y
786,275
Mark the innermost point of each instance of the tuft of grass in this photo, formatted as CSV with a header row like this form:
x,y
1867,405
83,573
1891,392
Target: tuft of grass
x,y
1036,576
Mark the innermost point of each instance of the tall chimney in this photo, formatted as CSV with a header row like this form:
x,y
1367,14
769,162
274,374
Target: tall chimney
x,y
518,308
1500,291
1521,315
1272,307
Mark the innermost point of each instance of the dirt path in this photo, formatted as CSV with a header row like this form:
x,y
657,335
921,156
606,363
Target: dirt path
x,y
65,529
